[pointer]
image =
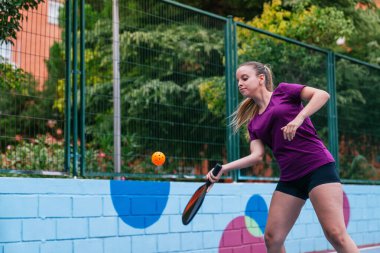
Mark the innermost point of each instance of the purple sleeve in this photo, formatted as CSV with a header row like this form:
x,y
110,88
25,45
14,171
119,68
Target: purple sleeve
x,y
252,134
293,90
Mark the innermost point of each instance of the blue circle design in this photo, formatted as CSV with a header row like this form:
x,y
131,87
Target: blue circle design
x,y
139,203
257,210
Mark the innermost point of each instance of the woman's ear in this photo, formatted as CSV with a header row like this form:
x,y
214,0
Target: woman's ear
x,y
261,78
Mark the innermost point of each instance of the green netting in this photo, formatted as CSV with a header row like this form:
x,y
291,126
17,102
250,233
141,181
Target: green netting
x,y
32,70
175,64
358,119
172,82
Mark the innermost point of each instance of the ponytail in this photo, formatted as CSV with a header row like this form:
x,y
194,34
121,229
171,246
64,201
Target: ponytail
x,y
246,110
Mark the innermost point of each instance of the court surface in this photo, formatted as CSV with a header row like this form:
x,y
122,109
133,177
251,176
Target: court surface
x,y
371,249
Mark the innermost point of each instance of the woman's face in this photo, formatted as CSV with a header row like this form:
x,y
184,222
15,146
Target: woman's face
x,y
248,82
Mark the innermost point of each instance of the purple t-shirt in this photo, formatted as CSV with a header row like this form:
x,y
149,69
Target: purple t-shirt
x,y
306,152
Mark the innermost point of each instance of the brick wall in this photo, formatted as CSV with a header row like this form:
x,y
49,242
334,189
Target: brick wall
x,y
75,216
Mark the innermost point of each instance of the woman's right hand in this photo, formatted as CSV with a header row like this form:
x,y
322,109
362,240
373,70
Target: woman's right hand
x,y
213,179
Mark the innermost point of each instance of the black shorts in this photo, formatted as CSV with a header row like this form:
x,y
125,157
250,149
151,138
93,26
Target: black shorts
x,y
302,186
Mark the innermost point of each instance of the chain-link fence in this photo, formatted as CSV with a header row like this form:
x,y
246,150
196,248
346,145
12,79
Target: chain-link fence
x,y
357,84
156,75
32,84
170,60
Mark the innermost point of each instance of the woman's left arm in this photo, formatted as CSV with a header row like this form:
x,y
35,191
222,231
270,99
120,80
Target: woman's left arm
x,y
317,98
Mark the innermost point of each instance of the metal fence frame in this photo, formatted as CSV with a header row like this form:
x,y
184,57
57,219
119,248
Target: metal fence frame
x,y
74,157
231,91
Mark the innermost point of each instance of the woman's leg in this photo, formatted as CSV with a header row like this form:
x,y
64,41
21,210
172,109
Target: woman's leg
x,y
283,212
327,200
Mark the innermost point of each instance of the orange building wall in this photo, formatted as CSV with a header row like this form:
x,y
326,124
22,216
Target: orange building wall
x,y
31,49
364,6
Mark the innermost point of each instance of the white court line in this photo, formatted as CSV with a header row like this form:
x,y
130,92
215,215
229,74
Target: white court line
x,y
375,249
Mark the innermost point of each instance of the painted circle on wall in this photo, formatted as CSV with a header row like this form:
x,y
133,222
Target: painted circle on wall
x,y
139,204
245,233
346,209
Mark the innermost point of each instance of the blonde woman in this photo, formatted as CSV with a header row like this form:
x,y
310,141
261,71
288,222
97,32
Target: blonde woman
x,y
278,119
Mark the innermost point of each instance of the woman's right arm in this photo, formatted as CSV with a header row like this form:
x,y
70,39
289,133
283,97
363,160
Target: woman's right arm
x,y
257,153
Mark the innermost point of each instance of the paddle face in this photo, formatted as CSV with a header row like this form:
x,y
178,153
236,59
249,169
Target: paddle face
x,y
196,200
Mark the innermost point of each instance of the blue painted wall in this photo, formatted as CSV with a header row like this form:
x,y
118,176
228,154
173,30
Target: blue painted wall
x,y
82,216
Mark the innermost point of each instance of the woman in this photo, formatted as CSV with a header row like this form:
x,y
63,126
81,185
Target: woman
x,y
278,119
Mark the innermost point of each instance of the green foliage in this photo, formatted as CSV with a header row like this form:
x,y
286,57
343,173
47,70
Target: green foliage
x,y
357,121
54,87
151,92
19,101
98,54
173,51
44,153
237,8
160,66
172,75
14,79
317,22
26,110
356,84
374,52
163,114
364,16
305,22
359,169
349,7
212,91
25,113
11,16
364,44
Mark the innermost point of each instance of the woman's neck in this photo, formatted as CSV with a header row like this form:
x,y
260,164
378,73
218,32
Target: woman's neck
x,y
262,99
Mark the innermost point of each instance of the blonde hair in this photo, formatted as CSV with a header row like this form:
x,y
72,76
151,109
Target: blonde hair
x,y
247,109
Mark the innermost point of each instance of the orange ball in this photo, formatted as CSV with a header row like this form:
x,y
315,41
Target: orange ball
x,y
158,158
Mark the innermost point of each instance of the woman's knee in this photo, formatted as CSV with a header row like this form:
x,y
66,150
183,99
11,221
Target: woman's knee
x,y
272,239
337,236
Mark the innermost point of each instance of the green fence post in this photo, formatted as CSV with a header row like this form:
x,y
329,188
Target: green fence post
x,y
231,91
75,89
229,109
82,91
235,93
332,108
67,85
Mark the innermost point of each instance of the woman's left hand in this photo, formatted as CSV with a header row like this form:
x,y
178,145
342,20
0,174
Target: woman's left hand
x,y
289,131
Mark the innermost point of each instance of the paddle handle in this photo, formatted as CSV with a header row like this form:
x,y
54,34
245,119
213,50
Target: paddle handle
x,y
215,172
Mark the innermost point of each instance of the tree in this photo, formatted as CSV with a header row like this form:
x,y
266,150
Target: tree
x,y
172,75
11,16
14,91
363,42
237,8
305,22
162,70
